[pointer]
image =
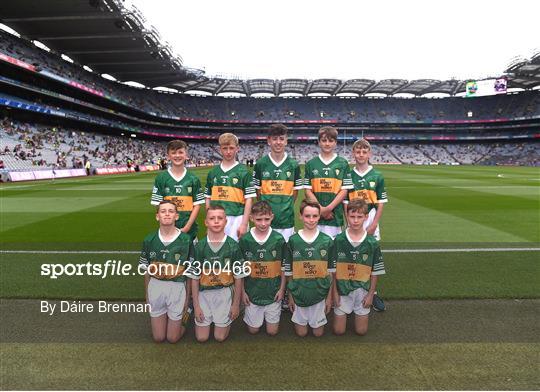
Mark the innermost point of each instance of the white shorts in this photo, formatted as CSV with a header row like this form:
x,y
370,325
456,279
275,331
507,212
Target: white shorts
x,y
233,223
369,220
286,233
166,297
255,315
216,305
352,303
313,315
332,231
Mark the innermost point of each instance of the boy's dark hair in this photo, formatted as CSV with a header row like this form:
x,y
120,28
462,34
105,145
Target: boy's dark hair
x,y
215,207
177,144
278,130
357,205
165,202
309,203
328,132
261,208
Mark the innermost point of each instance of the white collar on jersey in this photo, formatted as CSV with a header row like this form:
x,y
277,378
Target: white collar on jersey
x,y
232,167
301,234
177,179
277,164
216,245
327,162
364,173
355,242
178,232
252,231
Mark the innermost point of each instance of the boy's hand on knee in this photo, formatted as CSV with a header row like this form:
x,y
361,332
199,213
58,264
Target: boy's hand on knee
x,y
337,301
292,305
327,305
368,300
245,299
199,315
279,296
235,311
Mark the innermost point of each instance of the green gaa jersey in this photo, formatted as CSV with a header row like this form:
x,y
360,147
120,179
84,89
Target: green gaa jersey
x,y
229,188
214,263
310,265
265,259
354,265
368,186
277,182
166,260
326,180
185,192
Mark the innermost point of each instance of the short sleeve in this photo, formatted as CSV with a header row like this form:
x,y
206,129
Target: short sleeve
x,y
198,195
382,197
332,258
257,176
347,179
287,259
298,180
143,259
249,189
157,196
307,176
209,184
378,263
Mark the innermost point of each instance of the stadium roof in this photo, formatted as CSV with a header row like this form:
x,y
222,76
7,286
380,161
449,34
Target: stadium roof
x,y
101,34
115,40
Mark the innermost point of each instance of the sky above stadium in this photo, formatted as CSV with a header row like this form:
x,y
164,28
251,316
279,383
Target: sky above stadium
x,y
347,39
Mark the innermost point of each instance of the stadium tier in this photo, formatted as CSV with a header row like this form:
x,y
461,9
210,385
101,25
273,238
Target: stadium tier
x,y
55,113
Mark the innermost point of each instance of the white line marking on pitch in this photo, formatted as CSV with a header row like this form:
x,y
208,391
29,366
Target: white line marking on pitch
x,y
448,250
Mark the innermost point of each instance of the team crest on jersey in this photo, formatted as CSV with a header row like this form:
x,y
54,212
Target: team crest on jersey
x,y
235,180
154,189
365,257
337,172
296,253
372,184
274,253
315,172
215,180
167,189
288,174
341,254
189,189
323,252
177,256
266,174
152,255
249,255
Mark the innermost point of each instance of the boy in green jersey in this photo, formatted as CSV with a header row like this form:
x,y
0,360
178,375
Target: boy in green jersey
x,y
216,272
368,185
265,286
358,263
230,185
164,255
181,187
327,178
309,270
276,177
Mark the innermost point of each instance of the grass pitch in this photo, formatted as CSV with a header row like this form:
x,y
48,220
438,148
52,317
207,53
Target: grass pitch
x,y
433,209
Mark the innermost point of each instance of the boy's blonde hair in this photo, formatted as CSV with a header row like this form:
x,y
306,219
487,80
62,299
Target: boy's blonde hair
x,y
228,138
328,132
361,143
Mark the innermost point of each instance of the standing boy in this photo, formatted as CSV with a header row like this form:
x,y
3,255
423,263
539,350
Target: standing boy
x,y
163,256
276,177
368,185
230,185
358,262
327,179
309,270
216,273
265,287
180,186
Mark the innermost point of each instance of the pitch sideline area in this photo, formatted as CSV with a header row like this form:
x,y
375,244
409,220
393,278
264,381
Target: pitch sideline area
x,y
463,344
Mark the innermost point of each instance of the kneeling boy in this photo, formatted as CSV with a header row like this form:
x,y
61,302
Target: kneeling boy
x,y
309,271
265,286
358,262
216,273
163,257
